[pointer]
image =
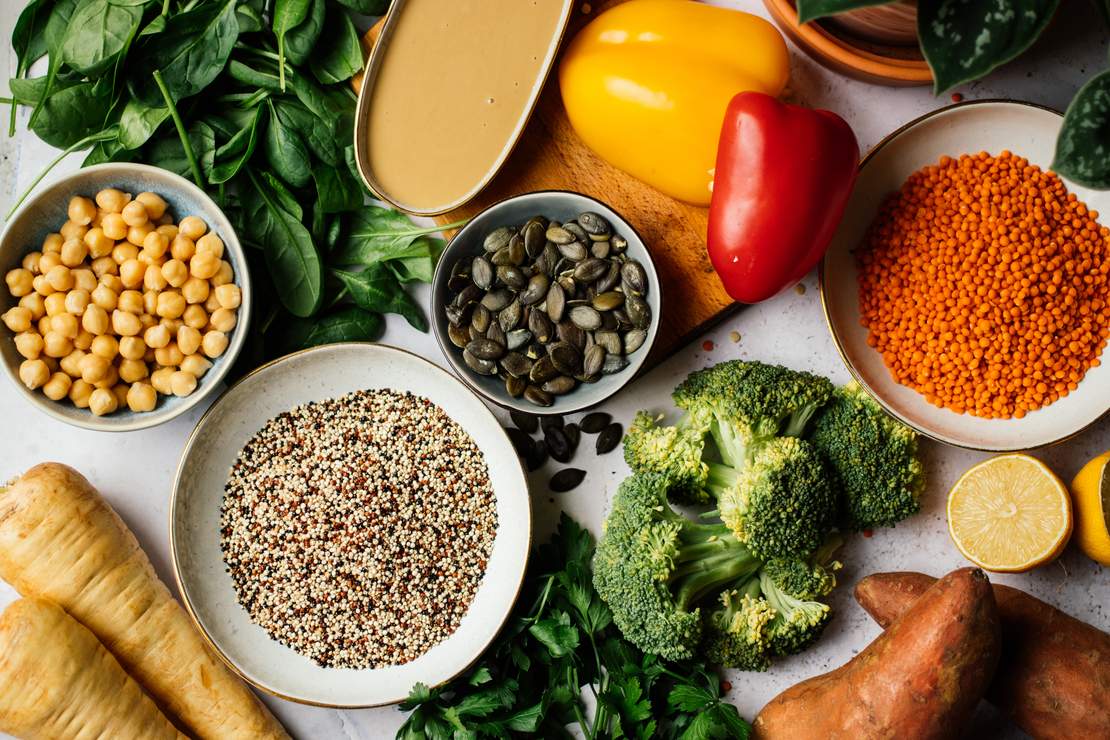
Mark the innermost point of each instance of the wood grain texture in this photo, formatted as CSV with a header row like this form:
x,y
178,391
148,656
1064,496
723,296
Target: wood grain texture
x,y
550,156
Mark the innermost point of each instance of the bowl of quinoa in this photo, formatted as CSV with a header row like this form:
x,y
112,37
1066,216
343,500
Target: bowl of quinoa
x,y
968,287
348,521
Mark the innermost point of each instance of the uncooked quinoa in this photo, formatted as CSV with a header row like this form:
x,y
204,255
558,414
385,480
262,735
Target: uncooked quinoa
x,y
357,530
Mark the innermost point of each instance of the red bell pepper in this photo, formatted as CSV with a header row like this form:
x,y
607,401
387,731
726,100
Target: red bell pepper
x,y
783,177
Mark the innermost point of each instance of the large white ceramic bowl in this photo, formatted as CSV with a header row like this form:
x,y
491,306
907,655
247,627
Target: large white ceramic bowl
x,y
45,212
313,375
967,128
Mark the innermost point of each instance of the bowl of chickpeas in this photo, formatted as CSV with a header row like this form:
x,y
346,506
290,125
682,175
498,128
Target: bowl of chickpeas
x,y
125,300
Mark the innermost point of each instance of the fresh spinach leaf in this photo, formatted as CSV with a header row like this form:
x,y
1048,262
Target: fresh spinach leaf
x,y
367,7
286,150
288,14
250,16
98,32
348,324
808,10
28,37
301,40
168,153
248,75
108,151
420,268
1083,147
339,56
138,121
376,289
155,27
193,49
57,25
72,112
291,256
337,191
232,156
378,234
284,196
314,131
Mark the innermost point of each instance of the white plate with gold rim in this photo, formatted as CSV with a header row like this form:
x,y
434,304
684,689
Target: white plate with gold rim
x,y
989,125
314,375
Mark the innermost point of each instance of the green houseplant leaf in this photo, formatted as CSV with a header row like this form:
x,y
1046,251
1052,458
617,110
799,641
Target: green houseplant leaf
x,y
1083,147
964,40
808,10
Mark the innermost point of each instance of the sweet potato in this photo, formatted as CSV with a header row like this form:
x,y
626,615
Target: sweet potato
x,y
920,679
59,540
58,681
1053,678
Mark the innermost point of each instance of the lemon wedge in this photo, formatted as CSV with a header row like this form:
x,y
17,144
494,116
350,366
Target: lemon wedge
x,y
1009,514
1091,495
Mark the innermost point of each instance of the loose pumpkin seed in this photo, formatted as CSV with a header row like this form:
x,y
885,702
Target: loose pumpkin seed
x,y
591,423
609,438
566,480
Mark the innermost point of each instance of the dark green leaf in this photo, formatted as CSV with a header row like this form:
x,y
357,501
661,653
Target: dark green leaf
x,y
286,151
98,31
810,9
57,25
167,152
350,324
339,56
479,676
367,7
250,16
964,40
526,720
29,35
382,234
313,130
419,269
301,39
484,702
291,257
155,27
139,121
287,14
689,698
337,191
107,151
232,156
193,50
72,112
557,634
1083,147
376,289
285,198
28,91
250,76
419,694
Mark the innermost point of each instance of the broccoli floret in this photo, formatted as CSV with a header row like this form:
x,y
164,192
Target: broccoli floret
x,y
807,579
782,505
874,459
653,566
674,451
736,633
798,621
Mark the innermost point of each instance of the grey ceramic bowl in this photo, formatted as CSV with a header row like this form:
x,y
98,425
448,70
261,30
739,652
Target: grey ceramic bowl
x,y
556,205
45,211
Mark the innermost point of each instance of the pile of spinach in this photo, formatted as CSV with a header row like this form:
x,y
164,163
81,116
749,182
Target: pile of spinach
x,y
559,642
251,99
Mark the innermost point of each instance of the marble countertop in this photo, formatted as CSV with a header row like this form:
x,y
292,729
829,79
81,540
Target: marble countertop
x,y
134,471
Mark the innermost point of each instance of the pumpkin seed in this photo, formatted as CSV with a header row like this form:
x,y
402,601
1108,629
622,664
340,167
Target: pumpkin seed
x,y
586,318
480,318
455,283
515,386
481,272
633,340
565,357
594,225
574,251
524,422
495,300
458,335
609,438
557,443
553,420
469,294
497,239
512,276
535,237
536,290
608,300
574,435
591,423
509,317
639,313
459,315
613,364
566,331
478,365
619,244
558,235
540,326
634,277
601,249
495,334
485,349
566,479
593,360
542,370
590,269
517,338
538,457
610,340
538,396
609,280
522,443
556,302
576,231
559,386
516,364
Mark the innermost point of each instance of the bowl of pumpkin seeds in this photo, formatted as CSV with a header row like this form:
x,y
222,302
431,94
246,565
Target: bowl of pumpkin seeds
x,y
546,302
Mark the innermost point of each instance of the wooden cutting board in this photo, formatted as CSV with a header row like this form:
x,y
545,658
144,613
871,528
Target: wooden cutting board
x,y
550,156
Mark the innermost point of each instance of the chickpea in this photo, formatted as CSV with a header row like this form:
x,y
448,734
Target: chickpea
x,y
69,230
160,379
48,262
158,337
119,390
84,340
183,383
137,234
105,297
211,244
81,210
125,324
71,363
105,346
84,279
31,262
203,265
20,282
55,304
52,363
77,301
56,345
132,348
113,282
175,272
153,203
29,344
167,230
114,227
195,290
123,252
74,252
105,265
196,364
53,243
182,247
141,397
79,394
150,302
172,324
212,303
192,227
34,303
102,401
57,387
171,304
188,340
131,273
169,355
94,368
146,258
43,325
130,301
156,243
132,370
195,316
223,319
112,200
147,320
134,214
153,279
60,278
17,318
35,373
224,275
110,379
165,218
65,324
148,357
214,343
99,243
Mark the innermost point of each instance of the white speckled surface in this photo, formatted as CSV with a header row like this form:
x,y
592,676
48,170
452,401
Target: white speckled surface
x,y
134,471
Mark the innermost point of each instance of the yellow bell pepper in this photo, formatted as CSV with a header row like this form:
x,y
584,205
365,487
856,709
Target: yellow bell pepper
x,y
646,85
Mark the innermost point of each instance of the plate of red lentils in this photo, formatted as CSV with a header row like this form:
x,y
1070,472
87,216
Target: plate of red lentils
x,y
968,287
349,521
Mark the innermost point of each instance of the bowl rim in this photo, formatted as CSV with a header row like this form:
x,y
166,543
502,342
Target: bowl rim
x,y
445,347
175,495
211,379
832,327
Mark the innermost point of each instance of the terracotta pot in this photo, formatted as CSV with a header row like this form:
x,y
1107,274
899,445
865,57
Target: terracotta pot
x,y
875,44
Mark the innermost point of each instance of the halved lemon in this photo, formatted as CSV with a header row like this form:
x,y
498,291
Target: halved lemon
x,y
1009,514
1091,493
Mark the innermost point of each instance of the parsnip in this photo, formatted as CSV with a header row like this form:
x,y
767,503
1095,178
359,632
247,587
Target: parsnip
x,y
61,541
57,682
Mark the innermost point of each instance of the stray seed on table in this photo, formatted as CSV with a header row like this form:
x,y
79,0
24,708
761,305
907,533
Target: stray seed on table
x,y
537,458
554,420
593,423
609,438
573,434
522,443
525,422
566,480
558,444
